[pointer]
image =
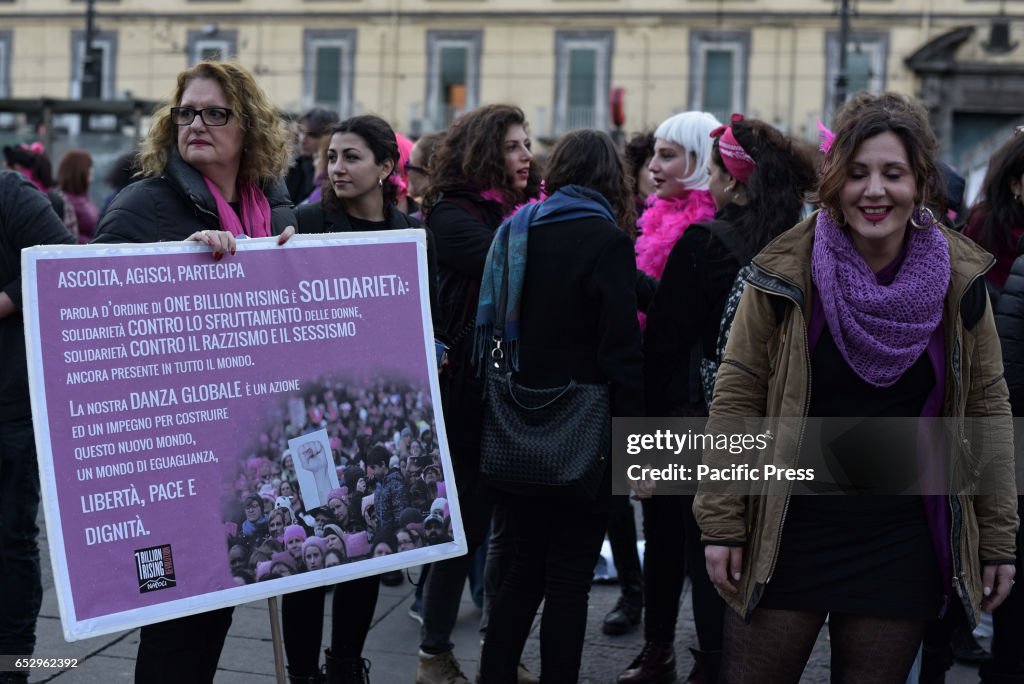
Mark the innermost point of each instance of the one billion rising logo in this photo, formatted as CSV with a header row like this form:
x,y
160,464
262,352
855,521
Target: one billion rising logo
x,y
155,568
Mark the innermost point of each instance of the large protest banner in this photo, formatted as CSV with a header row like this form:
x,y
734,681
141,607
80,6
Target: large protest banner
x,y
175,398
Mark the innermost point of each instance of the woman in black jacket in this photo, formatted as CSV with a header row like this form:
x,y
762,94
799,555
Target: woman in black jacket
x,y
578,322
758,180
358,195
480,171
996,222
213,162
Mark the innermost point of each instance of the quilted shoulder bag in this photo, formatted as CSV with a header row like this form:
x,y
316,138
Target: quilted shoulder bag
x,y
543,443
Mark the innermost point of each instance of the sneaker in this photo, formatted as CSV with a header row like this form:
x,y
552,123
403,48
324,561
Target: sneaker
x,y
442,668
414,613
524,676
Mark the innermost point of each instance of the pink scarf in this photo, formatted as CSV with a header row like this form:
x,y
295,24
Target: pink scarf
x,y
495,195
664,222
255,211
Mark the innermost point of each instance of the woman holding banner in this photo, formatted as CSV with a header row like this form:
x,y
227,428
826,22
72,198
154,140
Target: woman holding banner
x,y
358,195
213,158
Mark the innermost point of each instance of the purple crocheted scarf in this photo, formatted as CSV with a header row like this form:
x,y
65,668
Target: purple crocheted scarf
x,y
881,329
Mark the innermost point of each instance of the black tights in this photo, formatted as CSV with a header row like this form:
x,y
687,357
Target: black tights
x,y
774,647
302,620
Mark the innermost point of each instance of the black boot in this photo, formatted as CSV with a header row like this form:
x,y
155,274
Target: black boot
x,y
625,616
347,670
706,665
622,537
305,679
656,664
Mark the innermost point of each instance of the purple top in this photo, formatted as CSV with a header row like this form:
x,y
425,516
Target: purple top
x,y
936,506
87,212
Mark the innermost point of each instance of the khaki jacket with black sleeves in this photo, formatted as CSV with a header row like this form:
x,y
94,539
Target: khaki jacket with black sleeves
x,y
766,372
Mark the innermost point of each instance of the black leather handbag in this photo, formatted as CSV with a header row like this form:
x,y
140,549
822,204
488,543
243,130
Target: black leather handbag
x,y
543,443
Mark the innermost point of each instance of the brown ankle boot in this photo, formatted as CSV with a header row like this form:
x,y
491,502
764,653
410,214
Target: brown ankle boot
x,y
656,664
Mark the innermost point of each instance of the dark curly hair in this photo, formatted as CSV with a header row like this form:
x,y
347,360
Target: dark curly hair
x,y
380,138
782,179
638,150
865,116
590,159
997,205
471,156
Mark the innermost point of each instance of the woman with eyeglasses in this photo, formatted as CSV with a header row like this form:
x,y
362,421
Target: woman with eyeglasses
x,y
212,165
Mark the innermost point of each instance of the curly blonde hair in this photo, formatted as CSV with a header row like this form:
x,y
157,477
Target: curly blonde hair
x,y
266,151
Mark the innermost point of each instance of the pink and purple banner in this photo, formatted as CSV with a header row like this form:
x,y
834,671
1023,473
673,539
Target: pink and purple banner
x,y
196,419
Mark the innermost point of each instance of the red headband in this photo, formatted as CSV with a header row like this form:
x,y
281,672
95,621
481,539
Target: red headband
x,y
737,162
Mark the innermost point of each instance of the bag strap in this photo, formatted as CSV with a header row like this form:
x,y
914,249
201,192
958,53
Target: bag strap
x,y
511,392
497,354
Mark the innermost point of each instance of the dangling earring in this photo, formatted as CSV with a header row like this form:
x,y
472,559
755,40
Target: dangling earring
x,y
380,183
922,218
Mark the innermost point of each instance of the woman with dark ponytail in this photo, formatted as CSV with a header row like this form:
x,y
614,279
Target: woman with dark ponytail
x,y
358,195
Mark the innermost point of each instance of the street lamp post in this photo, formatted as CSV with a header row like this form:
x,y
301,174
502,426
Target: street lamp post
x,y
842,78
91,57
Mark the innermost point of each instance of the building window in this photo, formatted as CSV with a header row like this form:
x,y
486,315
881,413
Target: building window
x,y
5,63
104,43
211,43
719,69
866,57
582,79
329,72
453,75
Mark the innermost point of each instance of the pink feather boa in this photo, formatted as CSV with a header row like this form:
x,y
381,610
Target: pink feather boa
x,y
495,195
664,222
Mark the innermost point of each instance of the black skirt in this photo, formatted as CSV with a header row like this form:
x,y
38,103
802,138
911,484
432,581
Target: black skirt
x,y
861,555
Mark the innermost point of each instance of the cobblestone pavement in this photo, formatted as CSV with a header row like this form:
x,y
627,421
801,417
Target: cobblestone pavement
x,y
391,646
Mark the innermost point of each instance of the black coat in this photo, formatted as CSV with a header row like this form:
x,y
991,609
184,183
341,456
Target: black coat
x,y
684,319
26,219
300,179
174,205
578,311
463,224
1009,313
314,219
578,314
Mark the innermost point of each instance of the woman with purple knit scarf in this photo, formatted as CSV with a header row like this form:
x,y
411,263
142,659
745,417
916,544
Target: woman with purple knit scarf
x,y
868,309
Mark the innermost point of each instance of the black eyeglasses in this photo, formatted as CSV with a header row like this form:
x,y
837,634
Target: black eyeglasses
x,y
413,167
211,116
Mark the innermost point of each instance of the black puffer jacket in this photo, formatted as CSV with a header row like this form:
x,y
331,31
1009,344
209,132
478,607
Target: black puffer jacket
x,y
176,204
1009,312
